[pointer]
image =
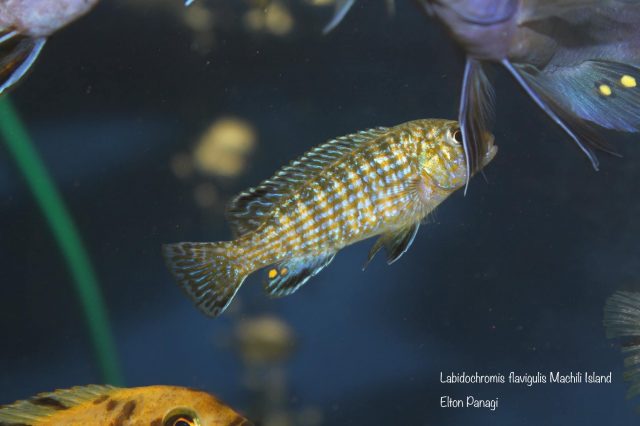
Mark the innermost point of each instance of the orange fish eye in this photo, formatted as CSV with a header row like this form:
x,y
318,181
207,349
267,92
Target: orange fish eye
x,y
181,420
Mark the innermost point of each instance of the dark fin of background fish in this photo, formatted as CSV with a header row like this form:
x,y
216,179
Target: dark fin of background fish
x,y
247,211
341,10
287,277
395,243
603,92
622,320
582,133
475,114
17,54
31,411
574,10
210,273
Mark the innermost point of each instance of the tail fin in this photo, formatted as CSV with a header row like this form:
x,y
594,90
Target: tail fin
x,y
622,319
17,54
622,315
210,273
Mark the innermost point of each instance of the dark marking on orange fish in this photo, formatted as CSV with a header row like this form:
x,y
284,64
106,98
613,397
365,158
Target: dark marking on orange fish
x,y
156,422
46,401
112,404
126,412
101,399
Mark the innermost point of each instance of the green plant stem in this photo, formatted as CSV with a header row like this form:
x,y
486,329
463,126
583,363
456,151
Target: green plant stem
x,y
59,220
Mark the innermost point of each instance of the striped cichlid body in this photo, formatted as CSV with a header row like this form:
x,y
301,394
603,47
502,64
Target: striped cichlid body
x,y
382,181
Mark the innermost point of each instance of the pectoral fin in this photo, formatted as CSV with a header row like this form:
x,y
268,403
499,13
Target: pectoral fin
x,y
287,277
395,243
17,54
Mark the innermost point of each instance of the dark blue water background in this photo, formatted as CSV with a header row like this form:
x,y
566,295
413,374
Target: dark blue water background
x,y
512,277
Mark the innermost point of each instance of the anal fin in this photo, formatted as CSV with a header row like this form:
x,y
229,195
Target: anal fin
x,y
395,243
581,131
288,276
17,54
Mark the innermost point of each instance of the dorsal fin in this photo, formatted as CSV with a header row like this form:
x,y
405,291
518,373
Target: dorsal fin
x,y
247,211
32,410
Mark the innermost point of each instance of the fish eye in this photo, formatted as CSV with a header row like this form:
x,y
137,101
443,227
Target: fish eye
x,y
457,135
181,418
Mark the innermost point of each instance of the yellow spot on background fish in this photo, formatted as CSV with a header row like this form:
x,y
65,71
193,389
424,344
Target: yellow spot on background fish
x,y
628,81
605,90
381,181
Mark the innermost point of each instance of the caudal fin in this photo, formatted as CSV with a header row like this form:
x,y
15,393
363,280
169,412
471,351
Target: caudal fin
x,y
622,319
17,54
210,273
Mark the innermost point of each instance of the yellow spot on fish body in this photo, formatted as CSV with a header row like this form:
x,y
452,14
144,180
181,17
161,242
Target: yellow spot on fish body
x,y
284,271
272,274
628,81
605,90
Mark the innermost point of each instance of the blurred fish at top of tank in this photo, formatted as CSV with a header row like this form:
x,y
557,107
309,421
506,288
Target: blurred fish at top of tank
x,y
25,26
98,405
622,320
577,59
382,181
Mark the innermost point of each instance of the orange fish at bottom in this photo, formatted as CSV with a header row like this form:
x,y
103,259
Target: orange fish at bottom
x,y
97,405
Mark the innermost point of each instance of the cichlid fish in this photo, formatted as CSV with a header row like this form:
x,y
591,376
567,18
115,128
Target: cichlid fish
x,y
97,405
25,26
622,320
382,181
577,59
